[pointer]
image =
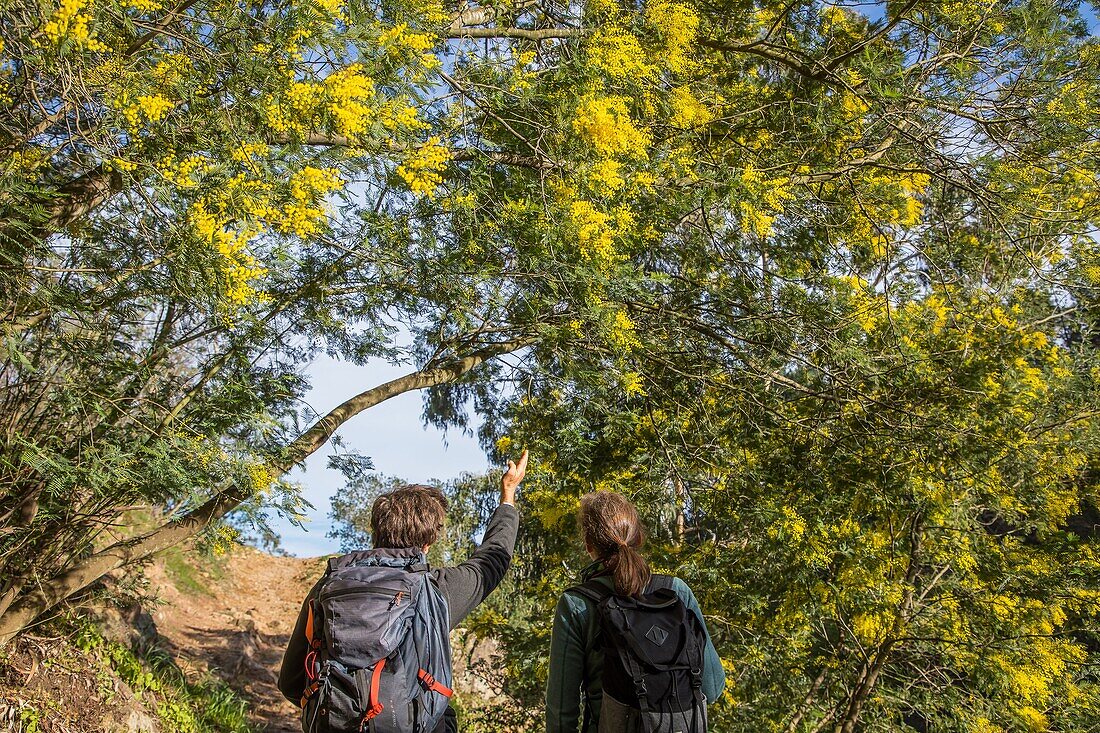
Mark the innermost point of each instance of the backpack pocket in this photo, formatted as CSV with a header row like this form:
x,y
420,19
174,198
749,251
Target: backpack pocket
x,y
616,717
366,623
335,707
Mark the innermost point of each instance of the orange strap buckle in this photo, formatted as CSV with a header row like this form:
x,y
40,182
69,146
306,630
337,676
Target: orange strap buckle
x,y
433,684
375,706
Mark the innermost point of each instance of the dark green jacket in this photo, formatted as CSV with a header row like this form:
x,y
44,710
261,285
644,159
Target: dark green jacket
x,y
574,658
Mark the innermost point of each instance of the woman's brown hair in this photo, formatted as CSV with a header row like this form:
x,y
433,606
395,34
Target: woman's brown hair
x,y
612,530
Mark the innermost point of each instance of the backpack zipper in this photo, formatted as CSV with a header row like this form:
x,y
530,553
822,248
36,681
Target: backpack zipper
x,y
364,591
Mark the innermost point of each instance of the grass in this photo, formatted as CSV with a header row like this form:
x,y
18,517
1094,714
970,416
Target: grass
x,y
208,705
190,578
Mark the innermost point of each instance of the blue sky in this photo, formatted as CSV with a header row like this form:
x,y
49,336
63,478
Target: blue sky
x,y
391,433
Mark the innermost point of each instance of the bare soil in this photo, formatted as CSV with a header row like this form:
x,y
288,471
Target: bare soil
x,y
231,618
238,626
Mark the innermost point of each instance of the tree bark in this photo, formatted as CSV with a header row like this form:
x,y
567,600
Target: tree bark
x,y
680,501
81,196
874,665
54,590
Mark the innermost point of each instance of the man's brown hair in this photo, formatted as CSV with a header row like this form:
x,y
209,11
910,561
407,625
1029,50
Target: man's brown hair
x,y
411,516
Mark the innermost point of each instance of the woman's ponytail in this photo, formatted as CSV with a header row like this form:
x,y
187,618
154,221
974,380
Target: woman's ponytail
x,y
612,530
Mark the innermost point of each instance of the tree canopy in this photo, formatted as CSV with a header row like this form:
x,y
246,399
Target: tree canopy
x,y
814,283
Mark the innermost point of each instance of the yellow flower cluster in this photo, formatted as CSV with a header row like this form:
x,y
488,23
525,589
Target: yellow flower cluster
x,y
398,114
789,525
968,13
605,124
617,53
400,38
350,94
431,12
70,22
687,111
632,383
596,232
23,162
607,175
148,107
836,20
260,476
871,628
601,7
521,77
246,152
295,112
911,186
183,173
308,187
1074,103
202,449
239,268
867,306
233,214
143,6
678,26
765,200
755,220
294,47
423,169
154,106
852,105
118,164
335,7
622,336
171,68
221,538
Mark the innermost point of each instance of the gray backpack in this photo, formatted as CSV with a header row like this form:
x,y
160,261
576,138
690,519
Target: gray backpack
x,y
380,655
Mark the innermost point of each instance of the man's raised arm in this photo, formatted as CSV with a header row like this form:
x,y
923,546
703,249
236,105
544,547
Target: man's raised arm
x,y
469,583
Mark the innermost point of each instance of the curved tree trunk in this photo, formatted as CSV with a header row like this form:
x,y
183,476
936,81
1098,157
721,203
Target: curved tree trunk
x,y
29,606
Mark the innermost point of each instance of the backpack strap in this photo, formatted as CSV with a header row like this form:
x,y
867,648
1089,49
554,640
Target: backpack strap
x,y
313,638
375,707
596,592
637,676
431,683
659,582
593,590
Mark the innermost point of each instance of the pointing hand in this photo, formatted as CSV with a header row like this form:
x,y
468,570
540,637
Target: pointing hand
x,y
511,479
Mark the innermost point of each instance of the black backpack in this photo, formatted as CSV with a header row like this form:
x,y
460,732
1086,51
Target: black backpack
x,y
380,654
652,660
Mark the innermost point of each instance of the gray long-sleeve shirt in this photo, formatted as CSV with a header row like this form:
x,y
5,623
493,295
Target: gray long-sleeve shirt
x,y
463,586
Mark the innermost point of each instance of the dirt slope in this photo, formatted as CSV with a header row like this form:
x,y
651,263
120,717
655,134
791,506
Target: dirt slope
x,y
237,624
230,617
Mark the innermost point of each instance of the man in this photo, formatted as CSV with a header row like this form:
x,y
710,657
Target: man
x,y
412,517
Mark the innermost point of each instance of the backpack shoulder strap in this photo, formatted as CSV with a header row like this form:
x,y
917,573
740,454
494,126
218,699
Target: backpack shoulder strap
x,y
659,582
596,592
593,590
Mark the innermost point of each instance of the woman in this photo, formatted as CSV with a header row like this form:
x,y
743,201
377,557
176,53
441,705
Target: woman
x,y
613,536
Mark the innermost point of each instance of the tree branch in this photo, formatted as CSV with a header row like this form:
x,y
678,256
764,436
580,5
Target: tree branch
x,y
81,195
525,33
126,552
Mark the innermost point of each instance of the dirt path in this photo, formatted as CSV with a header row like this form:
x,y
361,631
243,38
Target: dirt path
x,y
234,622
237,625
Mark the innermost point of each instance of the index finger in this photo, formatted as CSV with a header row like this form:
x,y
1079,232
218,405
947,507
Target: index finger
x,y
523,461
